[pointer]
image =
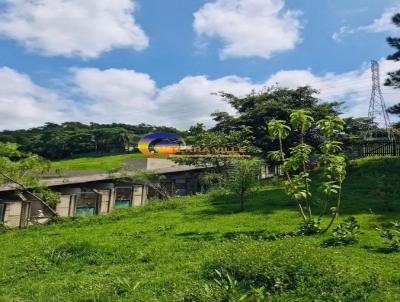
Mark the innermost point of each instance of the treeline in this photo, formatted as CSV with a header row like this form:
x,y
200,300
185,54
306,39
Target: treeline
x,y
247,127
58,141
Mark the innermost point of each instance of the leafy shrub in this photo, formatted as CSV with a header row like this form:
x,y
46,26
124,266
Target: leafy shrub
x,y
392,236
310,227
123,286
275,181
229,286
344,234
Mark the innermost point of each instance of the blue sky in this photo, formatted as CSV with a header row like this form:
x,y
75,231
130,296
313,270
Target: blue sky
x,y
158,61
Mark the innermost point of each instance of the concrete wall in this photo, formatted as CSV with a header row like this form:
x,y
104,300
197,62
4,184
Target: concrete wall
x,y
106,200
66,206
12,215
150,163
155,163
138,191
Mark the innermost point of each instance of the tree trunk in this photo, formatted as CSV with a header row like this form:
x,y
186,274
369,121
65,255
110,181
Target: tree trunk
x,y
336,214
241,202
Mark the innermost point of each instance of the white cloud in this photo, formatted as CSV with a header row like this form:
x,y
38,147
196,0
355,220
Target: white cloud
x,y
24,104
132,97
383,24
115,94
192,100
121,95
72,27
354,87
250,28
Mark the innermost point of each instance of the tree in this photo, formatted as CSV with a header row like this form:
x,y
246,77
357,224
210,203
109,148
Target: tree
x,y
243,176
23,171
196,130
214,139
357,127
294,164
394,77
256,110
53,141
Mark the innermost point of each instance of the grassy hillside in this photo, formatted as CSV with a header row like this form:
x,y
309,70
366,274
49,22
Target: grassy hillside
x,y
169,251
109,162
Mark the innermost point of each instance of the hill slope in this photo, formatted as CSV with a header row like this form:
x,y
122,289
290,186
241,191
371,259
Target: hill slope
x,y
106,162
169,251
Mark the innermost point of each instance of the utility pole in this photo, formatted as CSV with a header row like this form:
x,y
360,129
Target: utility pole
x,y
377,108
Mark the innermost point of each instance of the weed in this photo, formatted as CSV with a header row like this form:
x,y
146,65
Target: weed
x,y
344,234
392,236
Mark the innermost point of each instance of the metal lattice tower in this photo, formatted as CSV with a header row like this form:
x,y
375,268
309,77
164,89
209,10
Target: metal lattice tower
x,y
377,108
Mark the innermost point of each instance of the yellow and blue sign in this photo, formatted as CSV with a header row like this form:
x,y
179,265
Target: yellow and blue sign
x,y
161,144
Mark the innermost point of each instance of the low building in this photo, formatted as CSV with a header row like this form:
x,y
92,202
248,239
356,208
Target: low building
x,y
269,170
94,193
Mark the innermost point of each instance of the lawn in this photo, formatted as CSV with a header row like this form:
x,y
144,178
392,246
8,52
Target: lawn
x,y
109,162
170,251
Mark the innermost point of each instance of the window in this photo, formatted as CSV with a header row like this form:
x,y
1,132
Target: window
x,y
86,204
123,197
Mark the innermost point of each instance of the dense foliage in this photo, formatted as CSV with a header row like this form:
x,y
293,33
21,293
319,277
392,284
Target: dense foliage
x,y
394,77
256,110
23,170
54,141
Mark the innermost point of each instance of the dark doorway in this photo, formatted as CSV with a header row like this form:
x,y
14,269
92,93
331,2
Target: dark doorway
x,y
2,211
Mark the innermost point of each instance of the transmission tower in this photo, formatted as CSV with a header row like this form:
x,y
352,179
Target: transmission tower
x,y
377,108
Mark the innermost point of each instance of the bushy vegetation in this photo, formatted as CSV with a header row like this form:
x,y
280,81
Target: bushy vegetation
x,y
23,170
202,248
392,236
345,233
54,141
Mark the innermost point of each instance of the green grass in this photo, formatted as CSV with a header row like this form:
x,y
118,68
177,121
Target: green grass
x,y
94,163
168,251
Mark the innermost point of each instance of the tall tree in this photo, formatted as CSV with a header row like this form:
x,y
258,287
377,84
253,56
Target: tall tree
x,y
256,110
394,77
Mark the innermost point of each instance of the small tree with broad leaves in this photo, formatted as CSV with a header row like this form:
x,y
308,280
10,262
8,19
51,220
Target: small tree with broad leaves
x,y
23,170
243,176
294,164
